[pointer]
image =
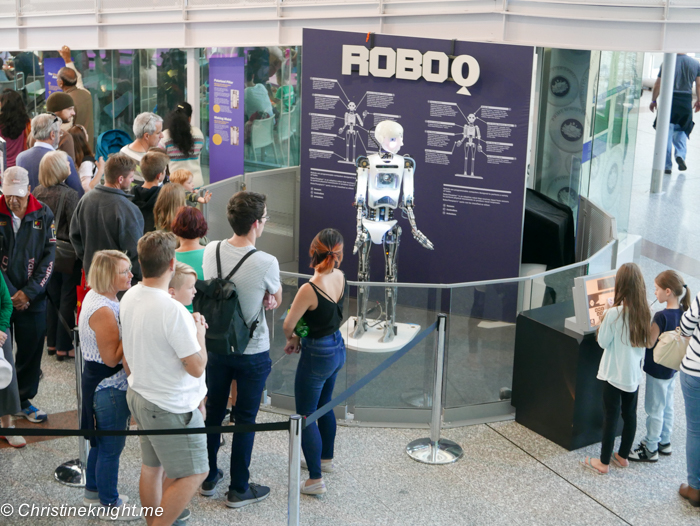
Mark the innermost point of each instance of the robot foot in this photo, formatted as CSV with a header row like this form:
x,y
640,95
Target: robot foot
x,y
389,333
359,331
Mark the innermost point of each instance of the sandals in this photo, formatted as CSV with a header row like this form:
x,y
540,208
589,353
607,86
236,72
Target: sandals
x,y
589,466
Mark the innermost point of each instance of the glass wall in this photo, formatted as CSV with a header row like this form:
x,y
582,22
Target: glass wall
x,y
273,91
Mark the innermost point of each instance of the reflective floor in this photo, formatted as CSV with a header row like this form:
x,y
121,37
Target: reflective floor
x,y
508,475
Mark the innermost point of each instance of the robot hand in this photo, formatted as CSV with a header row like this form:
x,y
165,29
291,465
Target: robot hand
x,y
364,114
480,148
459,143
340,130
362,234
420,237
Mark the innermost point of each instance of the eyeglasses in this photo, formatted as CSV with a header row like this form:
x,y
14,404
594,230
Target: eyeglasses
x,y
56,118
126,272
266,218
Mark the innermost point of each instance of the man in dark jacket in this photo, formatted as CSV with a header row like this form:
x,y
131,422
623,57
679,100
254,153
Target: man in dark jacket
x,y
153,166
27,251
107,219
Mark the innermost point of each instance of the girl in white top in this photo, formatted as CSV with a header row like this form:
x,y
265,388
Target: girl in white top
x,y
90,172
624,334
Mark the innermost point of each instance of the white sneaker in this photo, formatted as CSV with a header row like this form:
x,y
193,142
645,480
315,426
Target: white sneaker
x,y
15,440
96,500
319,488
326,467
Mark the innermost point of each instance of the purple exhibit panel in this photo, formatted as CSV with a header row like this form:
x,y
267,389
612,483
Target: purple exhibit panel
x,y
468,137
226,120
51,68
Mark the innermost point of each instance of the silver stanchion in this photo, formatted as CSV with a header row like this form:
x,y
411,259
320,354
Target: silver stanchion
x,y
436,450
294,470
72,473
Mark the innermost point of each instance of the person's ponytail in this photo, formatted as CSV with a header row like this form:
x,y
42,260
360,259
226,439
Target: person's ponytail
x,y
326,251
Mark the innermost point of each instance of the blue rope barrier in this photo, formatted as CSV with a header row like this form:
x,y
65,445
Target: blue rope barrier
x,y
368,378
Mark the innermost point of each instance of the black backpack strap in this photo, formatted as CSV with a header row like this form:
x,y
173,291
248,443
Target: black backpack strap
x,y
239,263
218,260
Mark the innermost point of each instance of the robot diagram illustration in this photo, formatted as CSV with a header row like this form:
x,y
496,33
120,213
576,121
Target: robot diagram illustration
x,y
380,180
352,120
471,139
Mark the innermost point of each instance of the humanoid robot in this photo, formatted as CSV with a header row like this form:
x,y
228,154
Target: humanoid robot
x,y
380,178
469,133
351,120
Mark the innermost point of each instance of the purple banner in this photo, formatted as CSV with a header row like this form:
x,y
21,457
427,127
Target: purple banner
x,y
51,67
468,137
226,120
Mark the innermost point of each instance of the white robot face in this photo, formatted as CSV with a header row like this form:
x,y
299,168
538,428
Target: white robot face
x,y
390,135
352,106
471,118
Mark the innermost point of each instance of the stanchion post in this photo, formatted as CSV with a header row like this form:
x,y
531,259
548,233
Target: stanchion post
x,y
295,423
436,450
72,473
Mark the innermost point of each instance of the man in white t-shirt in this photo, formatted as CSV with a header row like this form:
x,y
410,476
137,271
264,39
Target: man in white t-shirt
x,y
258,286
166,354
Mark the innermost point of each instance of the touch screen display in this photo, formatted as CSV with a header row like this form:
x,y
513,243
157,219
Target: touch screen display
x,y
600,294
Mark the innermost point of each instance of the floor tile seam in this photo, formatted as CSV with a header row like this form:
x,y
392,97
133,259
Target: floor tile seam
x,y
555,472
691,265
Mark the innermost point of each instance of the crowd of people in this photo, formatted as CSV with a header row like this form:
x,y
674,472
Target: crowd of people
x,y
144,345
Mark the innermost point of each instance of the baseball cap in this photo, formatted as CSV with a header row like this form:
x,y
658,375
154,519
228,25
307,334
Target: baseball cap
x,y
5,373
15,181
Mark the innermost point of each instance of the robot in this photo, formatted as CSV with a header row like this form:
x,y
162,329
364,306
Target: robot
x,y
351,117
469,133
380,178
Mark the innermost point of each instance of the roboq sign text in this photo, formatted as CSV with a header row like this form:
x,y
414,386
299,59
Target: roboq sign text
x,y
411,64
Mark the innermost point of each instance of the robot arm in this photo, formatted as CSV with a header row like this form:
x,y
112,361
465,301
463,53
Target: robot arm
x,y
361,201
478,138
407,203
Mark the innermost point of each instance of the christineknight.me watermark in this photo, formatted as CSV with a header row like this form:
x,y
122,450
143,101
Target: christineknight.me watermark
x,y
34,510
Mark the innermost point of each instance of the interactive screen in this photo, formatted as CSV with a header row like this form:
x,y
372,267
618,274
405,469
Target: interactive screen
x,y
600,293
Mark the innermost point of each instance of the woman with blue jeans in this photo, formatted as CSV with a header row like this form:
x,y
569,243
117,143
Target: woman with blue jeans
x,y
690,384
104,381
320,303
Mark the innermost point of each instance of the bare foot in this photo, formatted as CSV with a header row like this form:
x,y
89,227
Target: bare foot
x,y
623,462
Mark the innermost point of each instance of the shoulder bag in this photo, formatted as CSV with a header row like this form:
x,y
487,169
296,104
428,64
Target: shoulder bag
x,y
670,349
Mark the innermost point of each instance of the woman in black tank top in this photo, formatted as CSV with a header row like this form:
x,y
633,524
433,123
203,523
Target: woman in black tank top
x,y
320,302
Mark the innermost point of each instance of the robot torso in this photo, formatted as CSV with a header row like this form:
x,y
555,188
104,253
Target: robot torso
x,y
384,182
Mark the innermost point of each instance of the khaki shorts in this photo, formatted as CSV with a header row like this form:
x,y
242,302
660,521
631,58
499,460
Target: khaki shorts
x,y
180,455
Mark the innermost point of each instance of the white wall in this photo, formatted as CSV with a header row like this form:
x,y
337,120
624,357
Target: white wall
x,y
630,25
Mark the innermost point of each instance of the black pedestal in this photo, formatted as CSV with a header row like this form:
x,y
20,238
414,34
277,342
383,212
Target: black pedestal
x,y
555,390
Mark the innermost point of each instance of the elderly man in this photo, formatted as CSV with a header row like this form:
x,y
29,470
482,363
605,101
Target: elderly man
x,y
148,130
69,80
107,219
46,130
27,251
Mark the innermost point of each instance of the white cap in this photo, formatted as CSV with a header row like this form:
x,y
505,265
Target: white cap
x,y
5,372
15,181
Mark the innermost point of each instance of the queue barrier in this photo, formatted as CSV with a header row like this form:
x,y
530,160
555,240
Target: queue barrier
x,y
294,425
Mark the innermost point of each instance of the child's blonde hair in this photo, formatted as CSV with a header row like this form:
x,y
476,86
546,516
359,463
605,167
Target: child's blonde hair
x,y
180,176
181,270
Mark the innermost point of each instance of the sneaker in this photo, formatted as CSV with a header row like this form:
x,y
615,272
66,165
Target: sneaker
x,y
34,415
184,516
119,512
326,467
668,172
91,499
208,488
665,449
255,493
15,440
681,163
313,489
642,454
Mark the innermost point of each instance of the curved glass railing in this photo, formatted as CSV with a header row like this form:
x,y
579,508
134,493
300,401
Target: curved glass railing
x,y
479,351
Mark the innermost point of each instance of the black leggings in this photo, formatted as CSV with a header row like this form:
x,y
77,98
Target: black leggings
x,y
616,402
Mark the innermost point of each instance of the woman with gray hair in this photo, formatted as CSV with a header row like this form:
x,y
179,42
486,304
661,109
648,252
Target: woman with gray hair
x,y
148,130
54,169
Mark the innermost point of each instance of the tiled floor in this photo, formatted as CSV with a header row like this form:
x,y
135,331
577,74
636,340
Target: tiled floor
x,y
508,475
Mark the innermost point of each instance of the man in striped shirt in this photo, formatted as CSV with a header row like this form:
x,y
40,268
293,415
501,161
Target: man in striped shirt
x,y
690,384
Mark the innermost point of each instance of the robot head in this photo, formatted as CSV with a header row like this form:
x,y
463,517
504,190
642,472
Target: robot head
x,y
389,134
471,118
352,106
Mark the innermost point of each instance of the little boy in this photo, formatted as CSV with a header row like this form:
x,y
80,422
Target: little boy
x,y
153,166
181,286
184,178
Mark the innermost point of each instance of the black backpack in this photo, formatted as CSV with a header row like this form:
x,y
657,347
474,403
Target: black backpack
x,y
217,301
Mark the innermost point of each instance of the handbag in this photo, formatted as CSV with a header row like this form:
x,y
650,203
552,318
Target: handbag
x,y
65,253
670,349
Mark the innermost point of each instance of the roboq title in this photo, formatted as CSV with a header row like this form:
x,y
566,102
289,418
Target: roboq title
x,y
411,64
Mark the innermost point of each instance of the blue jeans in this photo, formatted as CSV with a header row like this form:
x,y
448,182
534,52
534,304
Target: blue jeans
x,y
250,372
321,360
676,139
111,413
658,403
690,385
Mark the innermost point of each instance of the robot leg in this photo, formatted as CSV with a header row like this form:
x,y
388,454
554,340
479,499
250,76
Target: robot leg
x,y
466,158
347,144
472,156
362,292
391,253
